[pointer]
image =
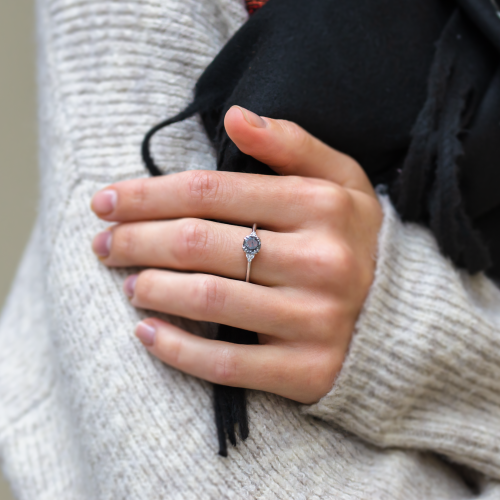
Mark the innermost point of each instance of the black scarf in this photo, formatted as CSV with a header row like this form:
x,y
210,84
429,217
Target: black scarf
x,y
409,88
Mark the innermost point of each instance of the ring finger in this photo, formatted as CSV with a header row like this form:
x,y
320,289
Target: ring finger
x,y
201,246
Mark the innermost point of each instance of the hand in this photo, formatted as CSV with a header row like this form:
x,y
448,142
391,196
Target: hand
x,y
318,223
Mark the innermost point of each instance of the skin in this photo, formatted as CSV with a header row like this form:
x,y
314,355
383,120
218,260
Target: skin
x,y
318,222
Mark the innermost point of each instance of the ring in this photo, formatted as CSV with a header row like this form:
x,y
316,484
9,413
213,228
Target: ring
x,y
251,247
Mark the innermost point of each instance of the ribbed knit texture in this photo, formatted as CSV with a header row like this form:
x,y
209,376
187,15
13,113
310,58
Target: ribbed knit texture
x,y
87,413
434,335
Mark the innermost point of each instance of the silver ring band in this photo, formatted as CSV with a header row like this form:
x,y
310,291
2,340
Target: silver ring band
x,y
249,266
251,247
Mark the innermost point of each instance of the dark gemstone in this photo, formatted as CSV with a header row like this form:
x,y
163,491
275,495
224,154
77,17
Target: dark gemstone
x,y
251,244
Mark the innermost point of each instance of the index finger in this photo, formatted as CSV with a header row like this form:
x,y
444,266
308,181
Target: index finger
x,y
270,201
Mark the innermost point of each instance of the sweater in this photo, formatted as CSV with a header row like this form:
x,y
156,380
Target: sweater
x,y
87,413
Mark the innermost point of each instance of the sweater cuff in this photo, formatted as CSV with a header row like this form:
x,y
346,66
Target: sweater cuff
x,y
421,371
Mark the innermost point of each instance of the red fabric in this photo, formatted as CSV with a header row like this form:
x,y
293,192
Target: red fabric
x,y
253,5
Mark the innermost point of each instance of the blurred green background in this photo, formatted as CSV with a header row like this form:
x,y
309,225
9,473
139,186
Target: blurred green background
x,y
18,174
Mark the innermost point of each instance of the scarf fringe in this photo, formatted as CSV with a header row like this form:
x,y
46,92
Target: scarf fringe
x,y
431,163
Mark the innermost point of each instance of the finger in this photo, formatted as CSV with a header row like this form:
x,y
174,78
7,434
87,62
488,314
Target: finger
x,y
202,246
276,203
290,150
303,376
203,297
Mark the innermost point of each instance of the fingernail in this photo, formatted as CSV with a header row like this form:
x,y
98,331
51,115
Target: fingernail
x,y
145,333
252,119
129,285
102,244
104,202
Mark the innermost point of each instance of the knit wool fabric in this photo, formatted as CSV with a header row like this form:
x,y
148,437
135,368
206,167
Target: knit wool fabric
x,y
87,413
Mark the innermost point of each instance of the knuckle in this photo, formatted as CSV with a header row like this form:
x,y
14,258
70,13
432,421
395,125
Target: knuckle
x,y
210,295
297,137
205,186
294,131
225,366
333,200
144,287
343,262
322,319
193,240
321,198
320,260
139,195
124,241
175,350
328,261
328,316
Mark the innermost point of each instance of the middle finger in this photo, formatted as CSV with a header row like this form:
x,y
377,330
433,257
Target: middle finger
x,y
201,246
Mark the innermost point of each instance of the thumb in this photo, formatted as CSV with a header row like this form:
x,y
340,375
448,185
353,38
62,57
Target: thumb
x,y
289,150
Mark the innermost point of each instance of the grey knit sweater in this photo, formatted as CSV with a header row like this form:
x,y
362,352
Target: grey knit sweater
x,y
87,413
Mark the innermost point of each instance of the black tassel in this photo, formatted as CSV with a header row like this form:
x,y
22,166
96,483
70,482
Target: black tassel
x,y
149,163
431,163
230,402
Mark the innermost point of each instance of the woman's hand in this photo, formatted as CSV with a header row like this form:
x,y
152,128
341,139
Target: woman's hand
x,y
318,223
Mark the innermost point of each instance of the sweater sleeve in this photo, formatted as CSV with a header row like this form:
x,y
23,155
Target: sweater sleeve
x,y
423,369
